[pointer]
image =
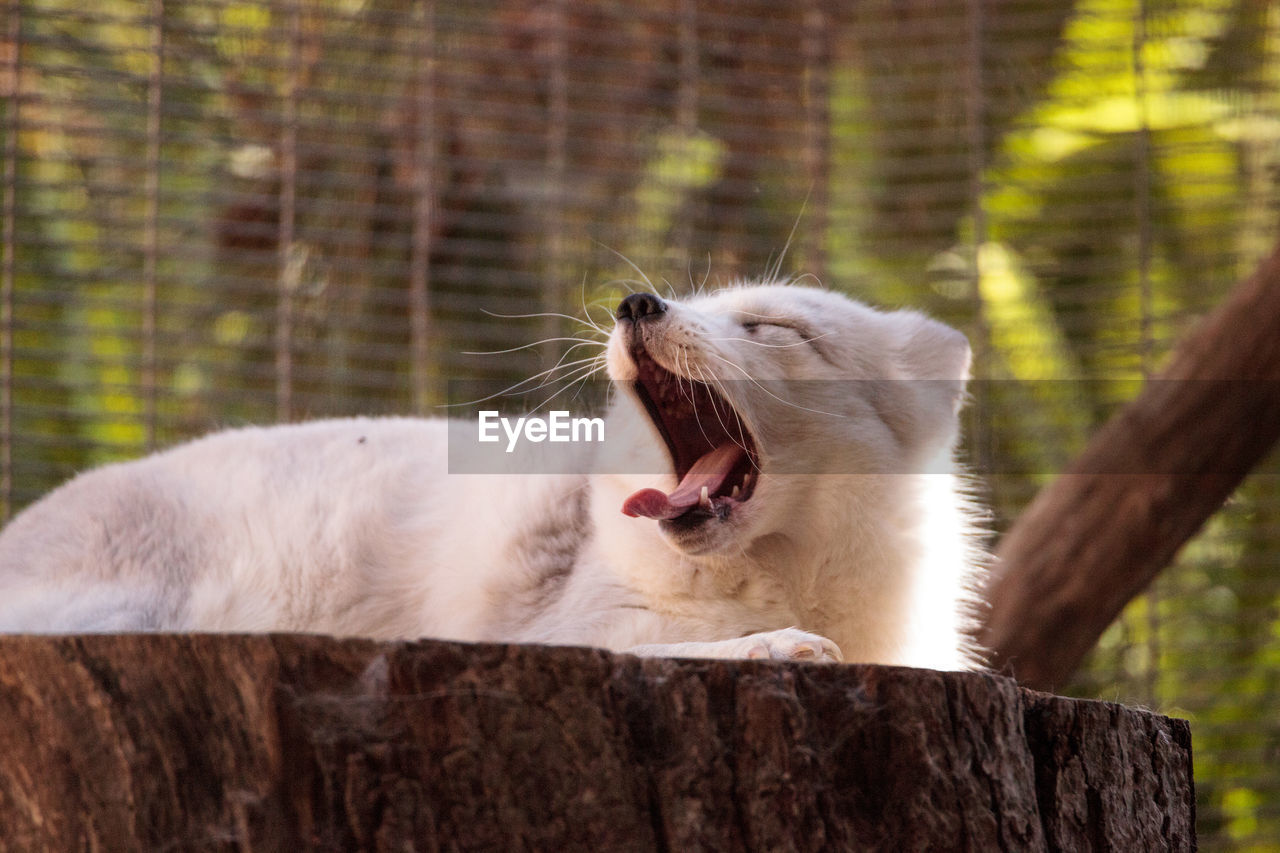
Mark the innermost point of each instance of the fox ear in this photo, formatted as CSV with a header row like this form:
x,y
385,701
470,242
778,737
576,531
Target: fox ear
x,y
931,350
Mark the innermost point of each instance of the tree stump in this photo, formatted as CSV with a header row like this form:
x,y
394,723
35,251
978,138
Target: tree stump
x,y
299,742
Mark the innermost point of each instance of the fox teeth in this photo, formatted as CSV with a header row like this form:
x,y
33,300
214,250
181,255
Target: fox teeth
x,y
705,499
736,490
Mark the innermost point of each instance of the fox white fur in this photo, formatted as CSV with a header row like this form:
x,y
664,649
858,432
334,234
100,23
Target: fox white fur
x,y
356,526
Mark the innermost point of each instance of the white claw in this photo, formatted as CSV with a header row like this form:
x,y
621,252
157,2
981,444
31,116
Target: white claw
x,y
705,499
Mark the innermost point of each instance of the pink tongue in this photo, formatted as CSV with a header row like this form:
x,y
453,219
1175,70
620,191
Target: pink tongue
x,y
710,470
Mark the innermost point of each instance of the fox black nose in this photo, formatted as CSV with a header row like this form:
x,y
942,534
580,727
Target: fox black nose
x,y
637,306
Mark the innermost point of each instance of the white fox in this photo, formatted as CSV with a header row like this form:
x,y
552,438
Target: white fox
x,y
789,492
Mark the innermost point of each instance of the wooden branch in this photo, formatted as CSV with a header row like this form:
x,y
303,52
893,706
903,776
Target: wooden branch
x,y
159,742
1094,538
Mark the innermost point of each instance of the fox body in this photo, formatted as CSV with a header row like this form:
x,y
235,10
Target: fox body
x,y
790,494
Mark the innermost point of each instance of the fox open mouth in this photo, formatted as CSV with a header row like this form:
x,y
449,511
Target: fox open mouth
x,y
716,460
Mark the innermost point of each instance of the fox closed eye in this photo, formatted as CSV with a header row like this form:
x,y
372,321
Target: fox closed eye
x,y
755,325
764,329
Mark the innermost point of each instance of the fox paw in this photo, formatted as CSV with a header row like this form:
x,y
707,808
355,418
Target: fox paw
x,y
790,644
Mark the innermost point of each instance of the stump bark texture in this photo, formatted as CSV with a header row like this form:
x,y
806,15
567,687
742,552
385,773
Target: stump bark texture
x,y
295,742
